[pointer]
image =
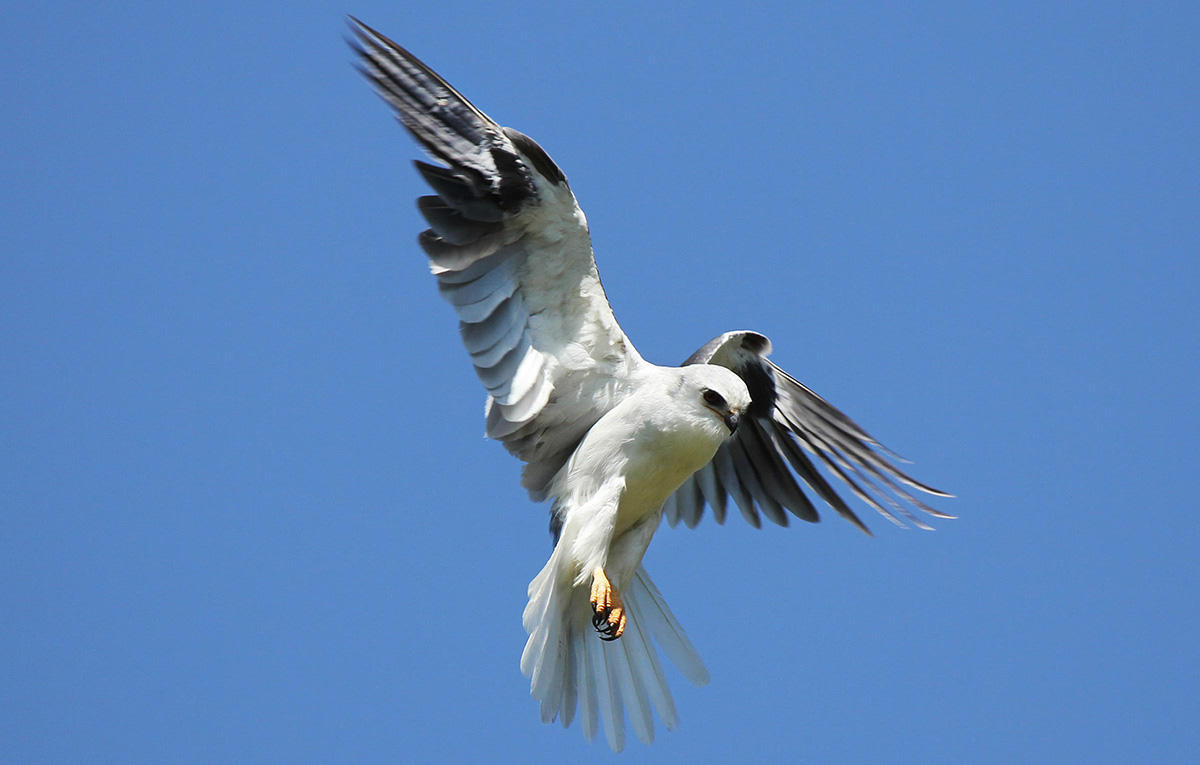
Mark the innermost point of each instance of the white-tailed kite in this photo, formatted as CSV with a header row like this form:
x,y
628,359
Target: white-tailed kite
x,y
612,439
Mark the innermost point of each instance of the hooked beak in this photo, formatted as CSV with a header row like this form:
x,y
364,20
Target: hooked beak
x,y
731,422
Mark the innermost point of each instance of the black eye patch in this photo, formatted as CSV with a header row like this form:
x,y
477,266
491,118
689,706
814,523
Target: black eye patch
x,y
712,398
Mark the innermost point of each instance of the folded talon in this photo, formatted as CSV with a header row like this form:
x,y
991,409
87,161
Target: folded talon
x,y
608,611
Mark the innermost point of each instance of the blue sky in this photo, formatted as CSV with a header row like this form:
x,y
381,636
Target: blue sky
x,y
249,513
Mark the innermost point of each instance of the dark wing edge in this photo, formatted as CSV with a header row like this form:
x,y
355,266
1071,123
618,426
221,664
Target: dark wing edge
x,y
486,177
471,242
501,211
787,424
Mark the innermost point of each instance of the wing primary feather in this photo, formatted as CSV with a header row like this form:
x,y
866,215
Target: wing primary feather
x,y
670,509
858,457
450,224
851,435
877,477
811,476
747,475
835,462
723,462
817,403
855,455
446,124
714,493
688,502
467,197
862,452
423,91
444,256
774,474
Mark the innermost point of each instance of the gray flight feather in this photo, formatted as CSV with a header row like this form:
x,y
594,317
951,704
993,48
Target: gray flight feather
x,y
786,419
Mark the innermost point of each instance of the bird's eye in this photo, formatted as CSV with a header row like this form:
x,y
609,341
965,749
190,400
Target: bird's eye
x,y
712,398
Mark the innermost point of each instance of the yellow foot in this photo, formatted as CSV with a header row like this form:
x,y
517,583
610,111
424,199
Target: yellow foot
x,y
608,612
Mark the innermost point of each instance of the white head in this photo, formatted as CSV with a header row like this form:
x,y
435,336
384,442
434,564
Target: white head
x,y
716,392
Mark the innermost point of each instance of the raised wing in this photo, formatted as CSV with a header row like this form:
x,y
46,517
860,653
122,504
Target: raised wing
x,y
786,423
511,252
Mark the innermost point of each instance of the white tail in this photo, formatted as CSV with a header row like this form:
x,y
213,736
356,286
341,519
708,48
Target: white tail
x,y
569,665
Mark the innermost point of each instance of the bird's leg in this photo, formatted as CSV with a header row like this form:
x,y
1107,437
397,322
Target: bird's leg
x,y
608,612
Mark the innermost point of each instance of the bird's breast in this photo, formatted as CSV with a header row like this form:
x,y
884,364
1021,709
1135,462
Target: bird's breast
x,y
659,462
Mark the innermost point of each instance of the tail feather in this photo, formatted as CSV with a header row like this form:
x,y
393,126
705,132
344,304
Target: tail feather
x,y
570,667
570,687
643,660
546,658
588,709
669,632
632,693
611,715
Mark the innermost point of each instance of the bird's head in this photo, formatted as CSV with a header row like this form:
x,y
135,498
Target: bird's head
x,y
718,391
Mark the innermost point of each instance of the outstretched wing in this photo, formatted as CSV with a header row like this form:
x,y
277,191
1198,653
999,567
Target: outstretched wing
x,y
786,423
511,252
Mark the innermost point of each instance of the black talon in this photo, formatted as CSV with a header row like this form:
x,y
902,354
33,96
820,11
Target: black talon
x,y
601,615
603,626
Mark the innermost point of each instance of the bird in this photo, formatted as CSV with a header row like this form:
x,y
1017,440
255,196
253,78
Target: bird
x,y
614,442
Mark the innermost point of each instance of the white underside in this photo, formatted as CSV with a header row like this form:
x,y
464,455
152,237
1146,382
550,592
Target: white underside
x,y
610,496
572,668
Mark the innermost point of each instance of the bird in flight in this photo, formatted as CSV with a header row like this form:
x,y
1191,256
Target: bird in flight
x,y
614,441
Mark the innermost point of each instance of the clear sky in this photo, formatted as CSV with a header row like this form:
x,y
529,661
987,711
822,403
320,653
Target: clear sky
x,y
248,512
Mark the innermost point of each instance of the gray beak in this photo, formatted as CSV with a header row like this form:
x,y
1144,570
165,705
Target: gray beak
x,y
731,422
